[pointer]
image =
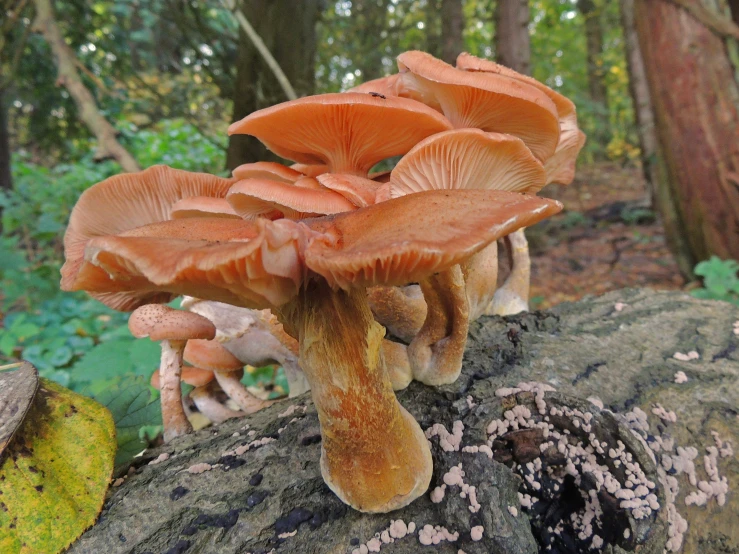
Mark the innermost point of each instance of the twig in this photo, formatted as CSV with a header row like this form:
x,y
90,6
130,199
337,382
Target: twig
x,y
97,80
718,24
263,50
70,78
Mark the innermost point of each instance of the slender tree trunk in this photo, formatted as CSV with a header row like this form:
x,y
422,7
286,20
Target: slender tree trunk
x,y
695,97
639,88
734,7
288,29
108,145
512,45
433,28
6,179
452,25
596,71
370,17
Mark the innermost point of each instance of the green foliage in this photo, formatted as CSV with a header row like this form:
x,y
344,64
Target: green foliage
x,y
720,280
136,413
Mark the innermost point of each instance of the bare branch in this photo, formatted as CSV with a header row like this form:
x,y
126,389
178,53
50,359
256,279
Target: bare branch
x,y
263,50
68,76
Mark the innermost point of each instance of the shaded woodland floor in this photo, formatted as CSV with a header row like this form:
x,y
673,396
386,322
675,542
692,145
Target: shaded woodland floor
x,y
605,239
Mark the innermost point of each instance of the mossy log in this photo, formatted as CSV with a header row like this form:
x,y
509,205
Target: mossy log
x,y
270,497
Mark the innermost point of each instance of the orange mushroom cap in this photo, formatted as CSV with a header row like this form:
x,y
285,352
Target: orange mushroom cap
x,y
360,191
560,167
468,159
212,355
243,263
384,245
194,376
267,170
385,86
310,170
124,202
349,132
160,322
305,198
202,206
496,103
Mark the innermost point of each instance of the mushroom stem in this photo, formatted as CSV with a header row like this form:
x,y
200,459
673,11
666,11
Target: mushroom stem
x,y
237,392
174,419
401,310
436,352
513,296
210,407
397,364
374,454
481,279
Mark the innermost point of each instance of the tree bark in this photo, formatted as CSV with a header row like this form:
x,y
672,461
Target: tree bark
x,y
512,45
452,26
370,17
108,145
596,72
270,495
639,89
6,177
696,106
287,29
433,28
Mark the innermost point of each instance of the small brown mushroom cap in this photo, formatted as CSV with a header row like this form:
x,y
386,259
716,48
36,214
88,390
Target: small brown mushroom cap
x,y
446,227
468,159
350,132
267,170
202,206
160,322
305,198
194,376
212,355
493,103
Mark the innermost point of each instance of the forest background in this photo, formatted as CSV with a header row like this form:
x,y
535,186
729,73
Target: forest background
x,y
92,87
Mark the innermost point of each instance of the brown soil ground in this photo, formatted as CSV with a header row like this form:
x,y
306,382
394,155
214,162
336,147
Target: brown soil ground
x,y
605,239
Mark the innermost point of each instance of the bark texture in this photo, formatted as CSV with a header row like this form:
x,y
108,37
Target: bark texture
x,y
696,106
452,25
618,347
108,145
512,45
288,30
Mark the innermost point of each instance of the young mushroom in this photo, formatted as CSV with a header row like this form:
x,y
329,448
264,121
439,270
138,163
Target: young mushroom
x,y
228,370
202,394
375,456
172,329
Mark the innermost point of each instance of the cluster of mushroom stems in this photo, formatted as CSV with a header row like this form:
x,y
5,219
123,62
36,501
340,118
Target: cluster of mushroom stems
x,y
338,254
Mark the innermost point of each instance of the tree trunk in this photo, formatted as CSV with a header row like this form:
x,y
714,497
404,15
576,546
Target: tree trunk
x,y
288,29
734,7
369,18
433,28
6,178
452,25
264,490
639,89
596,72
512,45
696,107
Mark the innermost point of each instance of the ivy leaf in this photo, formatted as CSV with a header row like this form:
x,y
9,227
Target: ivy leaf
x,y
131,403
55,471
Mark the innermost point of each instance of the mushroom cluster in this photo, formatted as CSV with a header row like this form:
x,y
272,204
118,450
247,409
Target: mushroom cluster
x,y
320,242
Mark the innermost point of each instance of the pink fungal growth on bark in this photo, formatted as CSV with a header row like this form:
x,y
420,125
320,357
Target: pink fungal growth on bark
x,y
736,328
663,414
431,534
681,378
618,306
692,355
476,532
396,531
449,442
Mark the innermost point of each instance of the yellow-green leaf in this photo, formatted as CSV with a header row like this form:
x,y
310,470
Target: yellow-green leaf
x,y
55,472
